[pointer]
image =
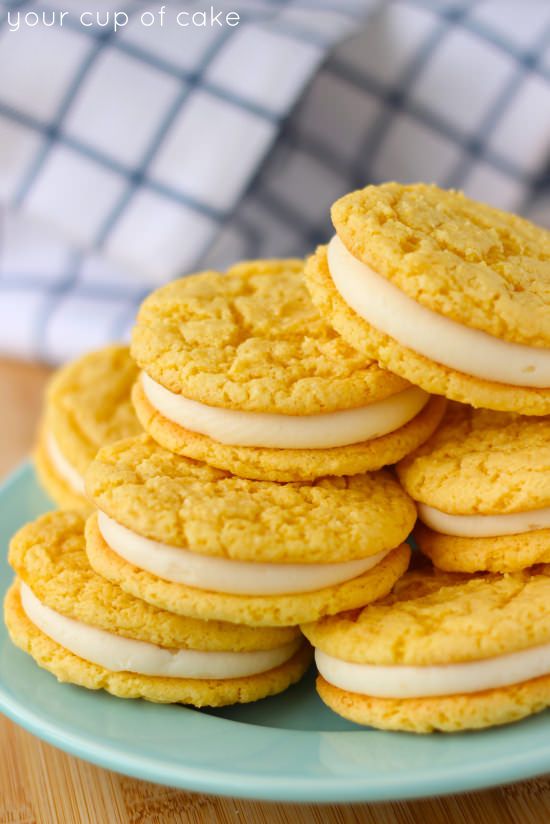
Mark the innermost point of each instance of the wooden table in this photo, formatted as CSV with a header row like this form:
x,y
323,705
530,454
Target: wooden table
x,y
41,785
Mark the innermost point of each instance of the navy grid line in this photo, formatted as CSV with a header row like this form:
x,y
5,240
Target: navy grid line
x,y
540,188
107,162
140,173
249,233
193,80
123,320
156,62
285,212
477,145
311,145
15,5
260,18
391,99
375,135
31,283
3,211
343,8
52,132
126,316
298,33
325,155
529,59
487,34
166,67
50,301
311,234
252,239
136,176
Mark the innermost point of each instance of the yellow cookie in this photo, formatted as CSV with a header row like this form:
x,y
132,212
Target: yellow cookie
x,y
282,465
252,610
450,293
205,543
87,405
442,652
501,553
240,371
49,556
482,484
86,630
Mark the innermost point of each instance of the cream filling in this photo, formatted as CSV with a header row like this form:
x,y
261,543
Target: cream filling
x,y
62,465
484,526
262,429
118,654
224,575
448,679
438,338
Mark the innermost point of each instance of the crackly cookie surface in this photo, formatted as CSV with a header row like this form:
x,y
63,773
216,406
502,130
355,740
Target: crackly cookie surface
x,y
480,461
483,267
199,692
184,503
88,404
49,556
252,340
418,369
252,610
434,617
447,713
268,464
500,553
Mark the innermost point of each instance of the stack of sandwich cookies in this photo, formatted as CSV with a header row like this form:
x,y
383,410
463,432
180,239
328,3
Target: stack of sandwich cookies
x,y
87,631
443,652
197,541
451,294
87,405
240,371
482,485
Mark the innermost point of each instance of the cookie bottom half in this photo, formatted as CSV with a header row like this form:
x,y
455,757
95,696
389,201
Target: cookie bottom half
x,y
419,370
268,464
251,610
447,713
69,668
503,553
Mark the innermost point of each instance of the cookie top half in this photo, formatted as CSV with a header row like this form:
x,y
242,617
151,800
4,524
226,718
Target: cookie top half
x,y
252,340
434,618
49,556
470,262
187,504
480,461
88,404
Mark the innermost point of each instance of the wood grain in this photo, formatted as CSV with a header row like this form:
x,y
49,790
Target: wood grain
x,y
42,785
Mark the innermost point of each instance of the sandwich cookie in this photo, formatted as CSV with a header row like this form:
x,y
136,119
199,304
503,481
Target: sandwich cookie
x,y
87,405
197,541
482,486
240,371
442,652
87,631
447,292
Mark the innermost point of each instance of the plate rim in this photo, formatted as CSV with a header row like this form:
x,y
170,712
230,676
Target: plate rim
x,y
441,780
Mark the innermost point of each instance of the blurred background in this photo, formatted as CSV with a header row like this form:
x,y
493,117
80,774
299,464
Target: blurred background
x,y
143,141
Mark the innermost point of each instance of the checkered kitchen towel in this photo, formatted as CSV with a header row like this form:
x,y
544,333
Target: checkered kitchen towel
x,y
131,157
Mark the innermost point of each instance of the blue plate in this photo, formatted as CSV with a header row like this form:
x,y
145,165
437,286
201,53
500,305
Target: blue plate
x,y
288,748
